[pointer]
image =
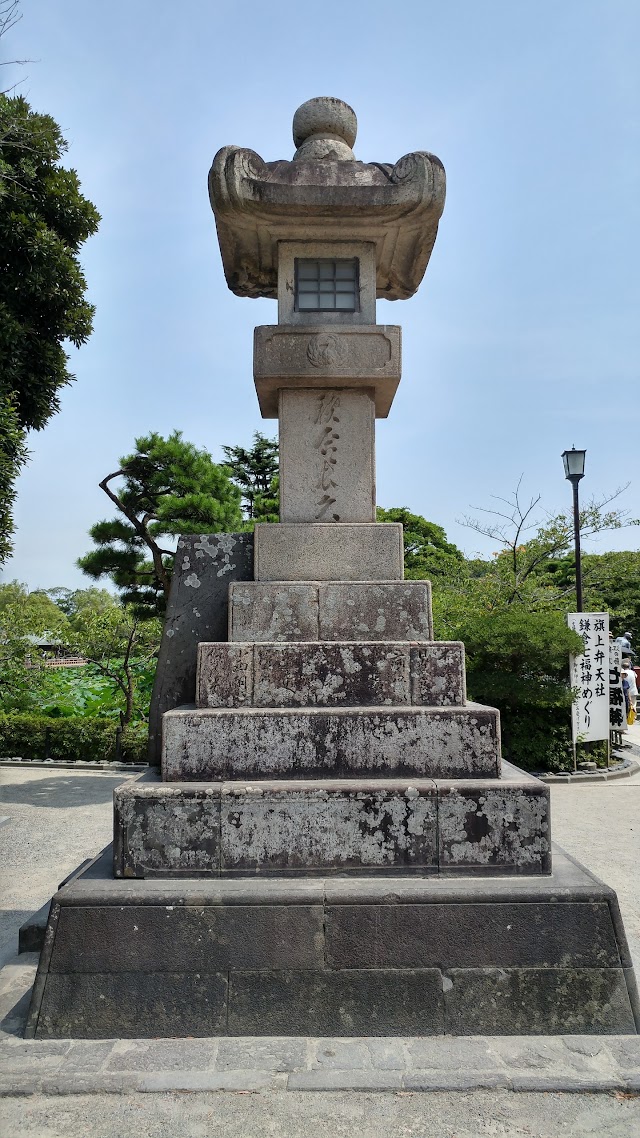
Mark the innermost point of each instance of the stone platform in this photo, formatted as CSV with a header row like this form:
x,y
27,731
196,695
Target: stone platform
x,y
315,742
334,956
341,826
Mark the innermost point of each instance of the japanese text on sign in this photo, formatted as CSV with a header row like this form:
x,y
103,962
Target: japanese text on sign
x,y
590,676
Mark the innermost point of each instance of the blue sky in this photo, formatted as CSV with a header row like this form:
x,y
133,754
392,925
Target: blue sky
x,y
522,340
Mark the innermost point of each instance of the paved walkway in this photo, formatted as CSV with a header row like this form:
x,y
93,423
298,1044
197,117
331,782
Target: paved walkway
x,y
56,819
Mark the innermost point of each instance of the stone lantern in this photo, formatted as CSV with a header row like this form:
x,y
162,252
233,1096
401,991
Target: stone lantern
x,y
333,844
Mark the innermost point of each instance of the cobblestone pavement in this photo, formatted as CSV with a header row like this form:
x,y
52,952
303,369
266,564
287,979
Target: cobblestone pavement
x,y
59,818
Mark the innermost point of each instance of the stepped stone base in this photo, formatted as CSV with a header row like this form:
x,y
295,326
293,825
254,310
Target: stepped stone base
x,y
312,610
336,551
388,956
330,674
348,742
325,827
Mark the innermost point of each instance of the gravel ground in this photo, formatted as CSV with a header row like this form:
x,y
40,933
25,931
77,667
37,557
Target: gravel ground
x,y
600,826
495,1114
51,822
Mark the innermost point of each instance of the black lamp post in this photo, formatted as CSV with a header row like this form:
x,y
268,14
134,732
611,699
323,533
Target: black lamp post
x,y
574,470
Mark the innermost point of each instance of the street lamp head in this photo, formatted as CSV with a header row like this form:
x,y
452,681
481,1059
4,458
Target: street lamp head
x,y
573,464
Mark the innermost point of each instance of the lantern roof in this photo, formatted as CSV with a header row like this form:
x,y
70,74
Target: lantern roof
x,y
325,194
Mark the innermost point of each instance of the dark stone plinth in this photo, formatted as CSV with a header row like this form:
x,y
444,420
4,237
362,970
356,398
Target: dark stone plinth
x,y
198,606
353,1002
341,956
538,1001
345,742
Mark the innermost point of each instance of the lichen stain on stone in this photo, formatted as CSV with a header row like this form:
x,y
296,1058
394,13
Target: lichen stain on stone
x,y
315,829
192,581
509,828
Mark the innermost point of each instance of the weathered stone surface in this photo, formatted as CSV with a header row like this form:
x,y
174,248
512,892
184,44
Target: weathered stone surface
x,y
345,825
438,673
273,612
380,610
471,933
353,610
324,552
330,674
288,675
197,610
225,675
315,742
483,825
327,456
129,1005
166,828
355,1002
359,357
323,826
204,938
537,1001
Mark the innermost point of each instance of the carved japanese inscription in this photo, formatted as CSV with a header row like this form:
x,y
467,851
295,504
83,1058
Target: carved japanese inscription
x,y
326,455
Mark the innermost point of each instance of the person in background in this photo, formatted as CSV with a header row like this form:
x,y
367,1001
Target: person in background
x,y
629,676
625,643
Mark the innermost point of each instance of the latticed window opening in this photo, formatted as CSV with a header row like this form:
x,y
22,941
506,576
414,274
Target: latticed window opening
x,y
327,285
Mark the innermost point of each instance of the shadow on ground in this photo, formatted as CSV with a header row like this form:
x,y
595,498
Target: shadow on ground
x,y
61,792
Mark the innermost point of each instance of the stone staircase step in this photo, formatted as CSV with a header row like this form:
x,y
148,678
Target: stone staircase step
x,y
427,742
338,610
324,674
343,826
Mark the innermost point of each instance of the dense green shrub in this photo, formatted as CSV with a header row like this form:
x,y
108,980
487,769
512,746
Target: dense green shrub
x,y
518,661
70,739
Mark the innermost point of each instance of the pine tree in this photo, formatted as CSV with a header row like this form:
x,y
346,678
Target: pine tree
x,y
255,471
168,488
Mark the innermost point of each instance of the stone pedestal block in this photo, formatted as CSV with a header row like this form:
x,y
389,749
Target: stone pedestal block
x,y
325,552
330,674
365,357
327,456
413,955
360,742
331,826
350,611
375,611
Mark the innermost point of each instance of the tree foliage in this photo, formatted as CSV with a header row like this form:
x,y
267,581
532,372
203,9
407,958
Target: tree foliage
x,y
255,472
120,646
44,220
166,487
510,611
427,553
13,455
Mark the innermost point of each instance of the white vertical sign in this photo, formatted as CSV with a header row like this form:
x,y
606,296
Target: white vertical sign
x,y
617,707
590,676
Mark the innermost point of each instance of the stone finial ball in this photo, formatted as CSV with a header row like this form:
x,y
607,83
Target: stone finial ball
x,y
325,116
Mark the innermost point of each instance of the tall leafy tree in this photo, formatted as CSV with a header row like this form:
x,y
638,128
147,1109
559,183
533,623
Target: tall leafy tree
x,y
427,553
120,646
255,471
23,616
164,488
44,220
